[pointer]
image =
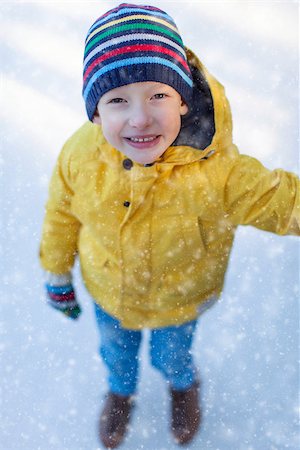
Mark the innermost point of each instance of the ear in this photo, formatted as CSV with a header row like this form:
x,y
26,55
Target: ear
x,y
97,118
183,108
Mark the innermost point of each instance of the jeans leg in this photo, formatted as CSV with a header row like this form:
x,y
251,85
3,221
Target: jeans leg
x,y
119,350
171,354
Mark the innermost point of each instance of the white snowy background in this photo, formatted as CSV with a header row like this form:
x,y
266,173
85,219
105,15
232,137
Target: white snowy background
x,y
52,380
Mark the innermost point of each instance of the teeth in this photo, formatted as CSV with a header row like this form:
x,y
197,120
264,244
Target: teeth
x,y
146,139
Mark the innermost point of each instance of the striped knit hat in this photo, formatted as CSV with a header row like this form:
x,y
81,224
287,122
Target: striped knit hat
x,y
131,44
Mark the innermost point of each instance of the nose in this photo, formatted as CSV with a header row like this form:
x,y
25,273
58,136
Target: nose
x,y
140,117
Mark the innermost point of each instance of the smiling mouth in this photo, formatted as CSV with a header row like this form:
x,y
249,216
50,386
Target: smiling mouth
x,y
143,142
142,139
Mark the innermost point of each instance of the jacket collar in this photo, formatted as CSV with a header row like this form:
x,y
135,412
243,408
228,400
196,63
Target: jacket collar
x,y
181,154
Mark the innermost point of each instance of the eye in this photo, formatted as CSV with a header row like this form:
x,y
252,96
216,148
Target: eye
x,y
160,96
117,100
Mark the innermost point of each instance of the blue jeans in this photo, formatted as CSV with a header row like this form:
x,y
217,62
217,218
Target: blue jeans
x,y
170,351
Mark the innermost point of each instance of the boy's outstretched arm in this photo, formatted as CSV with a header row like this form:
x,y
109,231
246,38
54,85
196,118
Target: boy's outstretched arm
x,y
59,243
269,200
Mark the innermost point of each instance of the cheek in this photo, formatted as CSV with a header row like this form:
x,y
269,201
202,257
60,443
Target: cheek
x,y
110,129
172,123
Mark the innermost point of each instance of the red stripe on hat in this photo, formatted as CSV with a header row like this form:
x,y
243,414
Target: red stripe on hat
x,y
134,48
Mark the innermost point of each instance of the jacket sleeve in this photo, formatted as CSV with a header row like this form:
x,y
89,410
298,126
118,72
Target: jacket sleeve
x,y
269,200
60,229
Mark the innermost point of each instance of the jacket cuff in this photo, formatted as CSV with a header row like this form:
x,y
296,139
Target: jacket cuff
x,y
53,279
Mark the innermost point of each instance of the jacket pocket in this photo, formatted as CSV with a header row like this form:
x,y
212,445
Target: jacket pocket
x,y
193,236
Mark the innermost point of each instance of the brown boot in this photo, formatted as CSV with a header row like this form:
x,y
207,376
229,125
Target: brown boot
x,y
186,415
114,419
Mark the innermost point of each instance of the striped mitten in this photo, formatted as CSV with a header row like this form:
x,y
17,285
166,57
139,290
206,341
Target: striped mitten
x,y
61,295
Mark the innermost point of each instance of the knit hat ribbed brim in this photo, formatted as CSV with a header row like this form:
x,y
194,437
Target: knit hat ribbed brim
x,y
131,44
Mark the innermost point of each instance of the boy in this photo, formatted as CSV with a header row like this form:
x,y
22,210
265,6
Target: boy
x,y
149,193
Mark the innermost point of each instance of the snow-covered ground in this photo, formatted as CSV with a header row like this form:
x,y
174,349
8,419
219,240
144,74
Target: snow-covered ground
x,y
52,380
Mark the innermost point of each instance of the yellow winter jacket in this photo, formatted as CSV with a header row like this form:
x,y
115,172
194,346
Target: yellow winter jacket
x,y
154,241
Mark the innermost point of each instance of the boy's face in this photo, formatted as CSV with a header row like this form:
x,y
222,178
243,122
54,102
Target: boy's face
x,y
141,120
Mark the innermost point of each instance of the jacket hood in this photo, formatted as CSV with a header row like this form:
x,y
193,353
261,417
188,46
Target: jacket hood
x,y
208,122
